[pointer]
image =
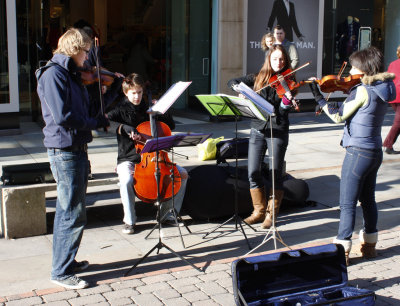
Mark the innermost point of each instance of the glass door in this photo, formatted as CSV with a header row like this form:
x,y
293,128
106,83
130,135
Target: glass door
x,y
199,50
9,101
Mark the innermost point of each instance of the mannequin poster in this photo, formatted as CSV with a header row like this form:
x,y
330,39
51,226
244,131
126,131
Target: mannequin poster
x,y
302,21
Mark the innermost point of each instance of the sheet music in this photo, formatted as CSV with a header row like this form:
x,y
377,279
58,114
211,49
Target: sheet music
x,y
245,106
170,96
257,99
178,140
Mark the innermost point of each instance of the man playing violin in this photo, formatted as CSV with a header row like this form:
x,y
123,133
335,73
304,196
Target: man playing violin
x,y
65,108
363,113
131,112
263,138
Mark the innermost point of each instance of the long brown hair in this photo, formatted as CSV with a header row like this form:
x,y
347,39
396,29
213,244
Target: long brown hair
x,y
266,70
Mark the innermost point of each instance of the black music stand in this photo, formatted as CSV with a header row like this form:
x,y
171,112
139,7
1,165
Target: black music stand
x,y
221,104
155,145
273,231
163,104
168,143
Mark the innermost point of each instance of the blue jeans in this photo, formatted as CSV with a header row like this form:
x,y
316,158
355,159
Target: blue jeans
x,y
358,181
258,145
70,170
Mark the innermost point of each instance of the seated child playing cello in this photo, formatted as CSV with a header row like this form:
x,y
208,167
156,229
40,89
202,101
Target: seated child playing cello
x,y
130,113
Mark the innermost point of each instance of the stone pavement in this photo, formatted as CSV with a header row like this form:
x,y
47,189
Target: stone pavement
x,y
314,155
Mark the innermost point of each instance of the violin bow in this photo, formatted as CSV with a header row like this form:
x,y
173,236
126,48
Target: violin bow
x,y
96,48
293,71
339,75
317,113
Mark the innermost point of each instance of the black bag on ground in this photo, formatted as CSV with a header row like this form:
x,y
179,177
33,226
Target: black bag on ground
x,y
27,174
227,149
210,192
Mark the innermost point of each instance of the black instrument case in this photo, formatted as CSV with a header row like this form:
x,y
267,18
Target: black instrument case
x,y
310,276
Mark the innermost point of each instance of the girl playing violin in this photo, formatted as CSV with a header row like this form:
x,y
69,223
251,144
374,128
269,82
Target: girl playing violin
x,y
130,113
276,61
363,113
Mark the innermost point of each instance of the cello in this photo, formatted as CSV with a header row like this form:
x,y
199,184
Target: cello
x,y
156,178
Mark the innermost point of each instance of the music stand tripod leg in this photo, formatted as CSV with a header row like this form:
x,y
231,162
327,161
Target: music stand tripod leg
x,y
218,227
273,230
159,244
236,217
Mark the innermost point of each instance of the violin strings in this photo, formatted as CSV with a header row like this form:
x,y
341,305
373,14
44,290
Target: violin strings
x,y
293,71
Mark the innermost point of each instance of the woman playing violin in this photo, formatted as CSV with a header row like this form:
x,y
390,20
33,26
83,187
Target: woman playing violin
x,y
363,113
130,113
276,61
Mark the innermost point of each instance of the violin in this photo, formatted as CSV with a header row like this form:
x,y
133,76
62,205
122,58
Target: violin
x,y
285,82
332,83
91,75
145,182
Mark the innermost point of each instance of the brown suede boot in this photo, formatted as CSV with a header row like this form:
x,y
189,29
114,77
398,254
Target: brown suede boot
x,y
260,205
368,243
271,204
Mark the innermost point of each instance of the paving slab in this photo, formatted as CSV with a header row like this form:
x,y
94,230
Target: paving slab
x,y
313,155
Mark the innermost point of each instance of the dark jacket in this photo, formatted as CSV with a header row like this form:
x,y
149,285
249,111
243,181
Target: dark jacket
x,y
65,104
287,22
280,122
130,116
364,128
108,98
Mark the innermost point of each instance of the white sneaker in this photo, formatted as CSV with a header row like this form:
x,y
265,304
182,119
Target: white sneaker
x,y
128,229
72,282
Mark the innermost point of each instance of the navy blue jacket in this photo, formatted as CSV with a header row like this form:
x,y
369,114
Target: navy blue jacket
x,y
65,104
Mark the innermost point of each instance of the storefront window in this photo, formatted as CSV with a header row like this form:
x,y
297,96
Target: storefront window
x,y
26,64
146,37
342,22
4,89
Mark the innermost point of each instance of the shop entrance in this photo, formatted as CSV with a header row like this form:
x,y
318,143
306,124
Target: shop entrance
x,y
164,40
342,22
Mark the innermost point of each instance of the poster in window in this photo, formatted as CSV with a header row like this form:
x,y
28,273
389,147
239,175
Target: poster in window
x,y
302,21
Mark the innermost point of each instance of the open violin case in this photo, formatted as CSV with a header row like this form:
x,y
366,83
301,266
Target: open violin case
x,y
309,276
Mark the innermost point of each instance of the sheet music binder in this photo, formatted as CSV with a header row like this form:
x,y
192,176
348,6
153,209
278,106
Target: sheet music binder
x,y
256,98
169,97
226,105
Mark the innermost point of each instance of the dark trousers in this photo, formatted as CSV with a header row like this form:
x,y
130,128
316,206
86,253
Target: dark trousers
x,y
395,130
258,145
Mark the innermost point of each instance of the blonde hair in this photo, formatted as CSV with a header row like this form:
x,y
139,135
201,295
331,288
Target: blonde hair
x,y
264,38
72,42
